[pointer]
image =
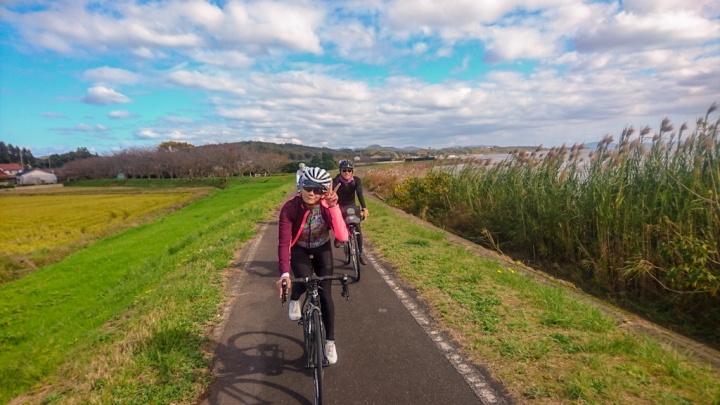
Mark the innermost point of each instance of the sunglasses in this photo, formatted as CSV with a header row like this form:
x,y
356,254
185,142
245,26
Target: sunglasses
x,y
346,170
314,190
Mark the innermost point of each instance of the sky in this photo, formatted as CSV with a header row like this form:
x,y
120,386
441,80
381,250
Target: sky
x,y
110,75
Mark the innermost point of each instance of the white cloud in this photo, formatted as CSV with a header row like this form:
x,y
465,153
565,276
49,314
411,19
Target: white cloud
x,y
82,127
178,120
353,40
147,134
633,32
506,44
120,114
104,96
197,80
108,76
230,59
651,6
419,48
50,114
454,19
263,25
463,68
251,114
149,29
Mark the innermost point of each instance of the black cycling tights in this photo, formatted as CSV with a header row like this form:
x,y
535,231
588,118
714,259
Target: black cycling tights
x,y
323,263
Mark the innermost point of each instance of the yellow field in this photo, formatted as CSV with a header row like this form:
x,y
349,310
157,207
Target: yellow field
x,y
29,223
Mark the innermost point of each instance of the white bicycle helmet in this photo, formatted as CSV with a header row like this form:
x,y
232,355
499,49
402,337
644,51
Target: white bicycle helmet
x,y
316,177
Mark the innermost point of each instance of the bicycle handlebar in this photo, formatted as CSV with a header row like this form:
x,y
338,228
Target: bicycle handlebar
x,y
342,277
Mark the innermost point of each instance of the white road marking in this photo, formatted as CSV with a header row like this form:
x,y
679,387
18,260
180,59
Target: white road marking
x,y
472,376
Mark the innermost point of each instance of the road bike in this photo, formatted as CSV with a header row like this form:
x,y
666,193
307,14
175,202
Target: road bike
x,y
350,247
313,328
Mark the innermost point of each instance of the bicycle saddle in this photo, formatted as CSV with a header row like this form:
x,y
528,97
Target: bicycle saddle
x,y
351,218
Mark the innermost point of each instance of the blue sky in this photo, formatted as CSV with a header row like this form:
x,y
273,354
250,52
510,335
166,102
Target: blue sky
x,y
109,75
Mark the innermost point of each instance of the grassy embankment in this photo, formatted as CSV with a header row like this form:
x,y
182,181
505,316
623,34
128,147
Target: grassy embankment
x,y
544,345
42,226
124,320
637,224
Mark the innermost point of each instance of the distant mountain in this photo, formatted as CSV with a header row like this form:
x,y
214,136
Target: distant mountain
x,y
392,148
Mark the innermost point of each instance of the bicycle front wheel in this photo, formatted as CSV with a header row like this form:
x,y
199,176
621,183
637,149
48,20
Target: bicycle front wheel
x,y
346,250
319,356
355,256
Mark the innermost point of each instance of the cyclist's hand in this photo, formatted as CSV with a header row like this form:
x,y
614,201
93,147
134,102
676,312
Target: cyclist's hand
x,y
331,196
279,285
365,212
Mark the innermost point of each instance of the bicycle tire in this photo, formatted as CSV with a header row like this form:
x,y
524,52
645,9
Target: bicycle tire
x,y
319,357
346,250
307,330
355,258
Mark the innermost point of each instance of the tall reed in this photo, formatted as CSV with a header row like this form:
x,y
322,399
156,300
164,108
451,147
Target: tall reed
x,y
641,218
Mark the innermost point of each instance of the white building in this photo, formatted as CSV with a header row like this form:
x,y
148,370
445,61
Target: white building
x,y
36,176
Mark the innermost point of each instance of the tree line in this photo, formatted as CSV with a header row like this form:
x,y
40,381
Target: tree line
x,y
24,157
183,160
14,154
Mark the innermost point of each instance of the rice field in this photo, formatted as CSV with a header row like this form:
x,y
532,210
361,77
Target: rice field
x,y
31,223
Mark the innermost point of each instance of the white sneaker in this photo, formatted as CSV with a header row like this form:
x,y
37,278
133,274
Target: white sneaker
x,y
330,351
294,310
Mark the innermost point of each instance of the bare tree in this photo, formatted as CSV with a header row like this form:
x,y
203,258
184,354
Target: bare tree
x,y
270,163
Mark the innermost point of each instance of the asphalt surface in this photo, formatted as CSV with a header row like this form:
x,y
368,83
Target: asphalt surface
x,y
384,355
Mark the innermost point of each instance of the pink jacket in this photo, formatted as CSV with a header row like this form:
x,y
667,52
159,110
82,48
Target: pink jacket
x,y
293,215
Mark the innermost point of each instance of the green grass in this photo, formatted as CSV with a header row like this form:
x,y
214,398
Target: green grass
x,y
160,278
543,343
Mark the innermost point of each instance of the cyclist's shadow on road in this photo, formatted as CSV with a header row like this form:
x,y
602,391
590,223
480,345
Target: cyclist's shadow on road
x,y
247,363
263,269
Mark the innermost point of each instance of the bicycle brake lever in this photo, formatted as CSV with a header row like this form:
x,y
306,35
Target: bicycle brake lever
x,y
284,292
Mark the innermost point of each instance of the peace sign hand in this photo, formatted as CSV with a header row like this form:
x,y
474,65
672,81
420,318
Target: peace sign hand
x,y
331,196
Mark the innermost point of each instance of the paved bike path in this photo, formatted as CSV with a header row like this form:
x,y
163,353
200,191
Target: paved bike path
x,y
384,354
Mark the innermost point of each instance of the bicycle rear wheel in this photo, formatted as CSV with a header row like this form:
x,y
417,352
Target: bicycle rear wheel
x,y
319,356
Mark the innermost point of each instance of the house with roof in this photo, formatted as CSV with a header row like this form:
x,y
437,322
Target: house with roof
x,y
36,177
379,155
6,178
11,168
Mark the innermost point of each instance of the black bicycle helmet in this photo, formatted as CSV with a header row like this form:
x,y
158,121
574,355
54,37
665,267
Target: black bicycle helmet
x,y
316,177
346,164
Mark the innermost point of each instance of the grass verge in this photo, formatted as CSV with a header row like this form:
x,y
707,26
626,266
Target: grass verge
x,y
543,344
124,320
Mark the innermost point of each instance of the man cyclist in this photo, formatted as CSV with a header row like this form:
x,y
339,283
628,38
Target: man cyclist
x,y
350,185
298,176
304,229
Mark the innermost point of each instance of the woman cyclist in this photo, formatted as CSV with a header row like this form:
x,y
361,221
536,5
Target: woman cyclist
x,y
304,229
350,186
298,175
